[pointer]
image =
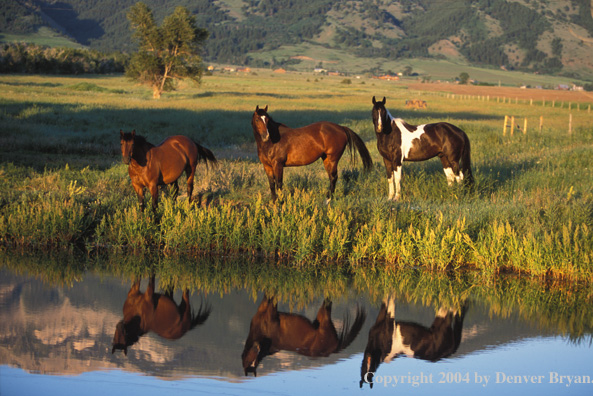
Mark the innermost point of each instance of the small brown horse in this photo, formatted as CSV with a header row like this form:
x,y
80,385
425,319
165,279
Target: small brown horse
x,y
152,166
279,146
150,311
272,331
389,338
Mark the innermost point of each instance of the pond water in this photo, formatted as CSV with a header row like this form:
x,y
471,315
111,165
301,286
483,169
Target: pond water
x,y
427,337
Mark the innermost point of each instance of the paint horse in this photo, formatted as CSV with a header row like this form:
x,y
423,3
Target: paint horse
x,y
389,338
150,311
153,166
272,331
279,146
399,141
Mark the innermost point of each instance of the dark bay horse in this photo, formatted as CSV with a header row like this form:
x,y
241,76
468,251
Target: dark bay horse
x,y
399,141
153,166
389,339
272,331
150,311
279,146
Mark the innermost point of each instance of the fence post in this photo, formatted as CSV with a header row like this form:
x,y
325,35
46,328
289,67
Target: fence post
x,y
504,126
525,126
541,123
570,124
512,125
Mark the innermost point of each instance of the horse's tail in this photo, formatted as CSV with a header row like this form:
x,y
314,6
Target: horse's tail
x,y
349,333
201,316
206,156
466,162
355,141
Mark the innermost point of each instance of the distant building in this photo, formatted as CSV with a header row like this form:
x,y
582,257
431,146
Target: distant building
x,y
387,77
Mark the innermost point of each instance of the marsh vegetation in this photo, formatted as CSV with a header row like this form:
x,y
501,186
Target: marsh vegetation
x,y
63,185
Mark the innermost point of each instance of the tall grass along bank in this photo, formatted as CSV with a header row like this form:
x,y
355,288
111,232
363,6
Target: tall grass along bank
x,y
62,185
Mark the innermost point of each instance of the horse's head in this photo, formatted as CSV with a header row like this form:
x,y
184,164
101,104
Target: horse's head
x,y
370,363
251,358
260,121
126,141
126,334
381,118
119,338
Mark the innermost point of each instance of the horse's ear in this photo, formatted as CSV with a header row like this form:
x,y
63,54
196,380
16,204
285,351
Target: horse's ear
x,y
256,108
121,134
266,109
383,100
134,133
374,101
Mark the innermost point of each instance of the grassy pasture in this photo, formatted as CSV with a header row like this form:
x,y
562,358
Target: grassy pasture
x,y
63,184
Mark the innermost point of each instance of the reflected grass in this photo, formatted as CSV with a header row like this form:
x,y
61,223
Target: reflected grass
x,y
560,307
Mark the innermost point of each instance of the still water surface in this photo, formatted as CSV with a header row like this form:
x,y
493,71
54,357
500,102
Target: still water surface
x,y
58,339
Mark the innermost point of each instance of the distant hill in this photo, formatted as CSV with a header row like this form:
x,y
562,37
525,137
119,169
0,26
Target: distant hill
x,y
544,36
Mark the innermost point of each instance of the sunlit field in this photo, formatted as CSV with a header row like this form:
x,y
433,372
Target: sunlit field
x,y
63,185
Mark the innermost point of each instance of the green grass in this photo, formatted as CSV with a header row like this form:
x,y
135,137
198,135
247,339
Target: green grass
x,y
62,183
44,36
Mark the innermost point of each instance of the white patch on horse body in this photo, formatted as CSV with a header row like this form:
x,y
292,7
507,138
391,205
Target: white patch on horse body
x,y
408,137
397,345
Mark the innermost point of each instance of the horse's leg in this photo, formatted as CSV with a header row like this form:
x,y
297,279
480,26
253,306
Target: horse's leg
x,y
154,192
394,176
174,190
389,170
190,171
278,176
451,169
331,167
271,181
140,194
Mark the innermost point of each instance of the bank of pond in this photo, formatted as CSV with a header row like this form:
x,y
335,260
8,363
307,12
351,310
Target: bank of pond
x,y
207,323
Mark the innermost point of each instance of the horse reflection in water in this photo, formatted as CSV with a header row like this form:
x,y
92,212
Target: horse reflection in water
x,y
150,311
389,338
272,331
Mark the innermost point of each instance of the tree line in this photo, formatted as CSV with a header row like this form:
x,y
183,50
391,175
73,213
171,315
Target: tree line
x,y
36,59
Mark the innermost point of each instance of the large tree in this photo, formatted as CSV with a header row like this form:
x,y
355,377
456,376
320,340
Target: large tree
x,y
167,53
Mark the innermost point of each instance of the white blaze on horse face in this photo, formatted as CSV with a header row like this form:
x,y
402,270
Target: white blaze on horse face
x,y
408,137
263,118
379,121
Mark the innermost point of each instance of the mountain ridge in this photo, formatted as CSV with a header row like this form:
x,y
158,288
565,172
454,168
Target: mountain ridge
x,y
549,36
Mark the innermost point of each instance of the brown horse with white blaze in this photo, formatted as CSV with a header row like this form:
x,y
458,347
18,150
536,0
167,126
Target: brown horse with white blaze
x,y
279,146
150,311
272,331
151,166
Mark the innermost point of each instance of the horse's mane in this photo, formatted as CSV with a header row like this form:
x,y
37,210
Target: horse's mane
x,y
406,125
